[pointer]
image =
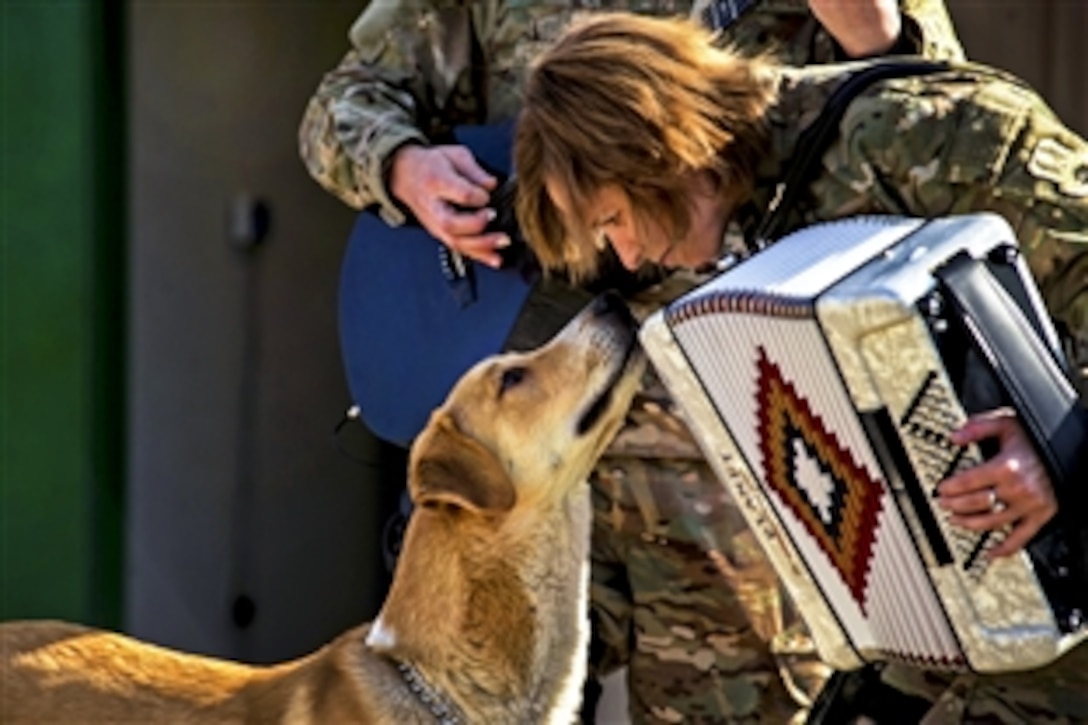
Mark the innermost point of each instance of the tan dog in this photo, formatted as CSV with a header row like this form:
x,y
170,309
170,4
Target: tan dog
x,y
486,618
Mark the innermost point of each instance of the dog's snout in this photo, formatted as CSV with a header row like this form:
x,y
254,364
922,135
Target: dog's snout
x,y
610,303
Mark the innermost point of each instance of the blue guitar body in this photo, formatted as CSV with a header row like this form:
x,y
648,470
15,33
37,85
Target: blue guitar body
x,y
409,327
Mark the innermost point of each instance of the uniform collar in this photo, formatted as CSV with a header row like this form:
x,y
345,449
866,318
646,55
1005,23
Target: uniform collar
x,y
802,94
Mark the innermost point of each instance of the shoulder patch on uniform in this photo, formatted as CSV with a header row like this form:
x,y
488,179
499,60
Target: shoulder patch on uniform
x,y
1053,161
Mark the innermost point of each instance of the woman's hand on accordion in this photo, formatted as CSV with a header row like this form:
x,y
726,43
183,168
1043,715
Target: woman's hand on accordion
x,y
1010,489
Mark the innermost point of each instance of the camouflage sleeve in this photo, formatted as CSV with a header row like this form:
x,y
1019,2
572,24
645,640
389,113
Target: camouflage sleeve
x,y
409,59
928,29
419,68
788,29
967,141
611,605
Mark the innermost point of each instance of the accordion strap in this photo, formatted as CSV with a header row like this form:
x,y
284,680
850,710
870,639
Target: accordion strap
x,y
814,140
1047,405
1035,381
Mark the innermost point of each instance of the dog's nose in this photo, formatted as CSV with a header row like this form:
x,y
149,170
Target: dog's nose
x,y
610,303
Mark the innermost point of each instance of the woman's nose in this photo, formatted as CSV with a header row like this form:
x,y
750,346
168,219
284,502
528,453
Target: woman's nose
x,y
627,249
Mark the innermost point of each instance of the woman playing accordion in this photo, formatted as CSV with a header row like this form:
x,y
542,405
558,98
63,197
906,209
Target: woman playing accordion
x,y
639,134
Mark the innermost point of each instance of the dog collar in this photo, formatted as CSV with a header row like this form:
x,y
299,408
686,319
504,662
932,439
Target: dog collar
x,y
444,712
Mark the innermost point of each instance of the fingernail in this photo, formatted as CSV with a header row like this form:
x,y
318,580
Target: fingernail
x,y
501,242
490,214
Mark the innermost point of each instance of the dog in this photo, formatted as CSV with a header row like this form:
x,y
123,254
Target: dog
x,y
486,618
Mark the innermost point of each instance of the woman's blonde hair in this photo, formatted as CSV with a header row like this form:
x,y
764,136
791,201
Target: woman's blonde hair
x,y
640,103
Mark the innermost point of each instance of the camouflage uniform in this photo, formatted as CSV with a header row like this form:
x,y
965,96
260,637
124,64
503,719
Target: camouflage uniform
x,y
418,68
681,593
1054,695
789,30
969,139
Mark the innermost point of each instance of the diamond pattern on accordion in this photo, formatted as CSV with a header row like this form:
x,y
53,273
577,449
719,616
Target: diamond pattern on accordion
x,y
845,532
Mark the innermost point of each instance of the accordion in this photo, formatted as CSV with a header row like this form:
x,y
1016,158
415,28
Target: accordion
x,y
822,377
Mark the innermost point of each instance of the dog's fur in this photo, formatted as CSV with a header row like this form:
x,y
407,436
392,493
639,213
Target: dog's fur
x,y
488,601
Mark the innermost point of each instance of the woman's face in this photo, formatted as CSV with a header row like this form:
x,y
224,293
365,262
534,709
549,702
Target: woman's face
x,y
637,240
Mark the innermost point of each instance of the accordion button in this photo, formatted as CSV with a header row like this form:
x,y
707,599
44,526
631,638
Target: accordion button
x,y
1004,254
1075,619
932,305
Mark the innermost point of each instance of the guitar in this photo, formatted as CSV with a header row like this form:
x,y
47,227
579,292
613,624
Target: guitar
x,y
414,316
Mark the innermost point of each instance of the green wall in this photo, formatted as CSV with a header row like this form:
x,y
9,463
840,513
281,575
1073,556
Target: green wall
x,y
62,279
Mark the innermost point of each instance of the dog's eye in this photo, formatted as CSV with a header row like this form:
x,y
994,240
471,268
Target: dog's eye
x,y
510,378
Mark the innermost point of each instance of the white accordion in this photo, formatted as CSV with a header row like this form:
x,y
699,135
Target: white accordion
x,y
815,376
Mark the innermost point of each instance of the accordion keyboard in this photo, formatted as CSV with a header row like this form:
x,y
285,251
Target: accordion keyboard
x,y
924,429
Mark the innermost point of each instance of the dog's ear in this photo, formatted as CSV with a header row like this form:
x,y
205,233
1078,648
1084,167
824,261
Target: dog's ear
x,y
452,468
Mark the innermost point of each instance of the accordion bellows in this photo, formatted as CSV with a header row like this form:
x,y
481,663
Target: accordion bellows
x,y
817,386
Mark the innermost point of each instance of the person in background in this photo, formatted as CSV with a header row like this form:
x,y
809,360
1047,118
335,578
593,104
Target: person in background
x,y
824,31
681,594
377,132
707,135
